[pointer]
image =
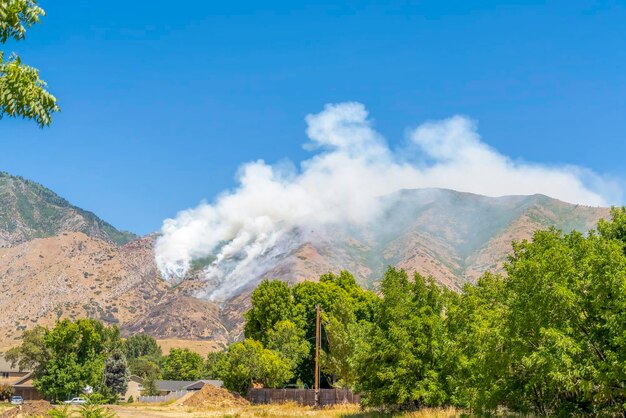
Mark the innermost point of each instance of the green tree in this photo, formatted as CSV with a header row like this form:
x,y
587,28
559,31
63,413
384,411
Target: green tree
x,y
336,362
548,337
248,362
32,353
307,295
77,351
182,364
398,358
288,341
150,387
116,372
566,312
145,367
271,302
279,311
22,92
141,345
478,347
6,391
212,364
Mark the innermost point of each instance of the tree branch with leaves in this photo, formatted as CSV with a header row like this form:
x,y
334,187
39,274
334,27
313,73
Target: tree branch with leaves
x,y
22,92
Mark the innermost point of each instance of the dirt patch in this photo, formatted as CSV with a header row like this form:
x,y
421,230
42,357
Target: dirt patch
x,y
213,397
29,409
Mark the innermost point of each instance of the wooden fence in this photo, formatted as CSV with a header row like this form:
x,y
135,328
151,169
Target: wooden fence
x,y
302,396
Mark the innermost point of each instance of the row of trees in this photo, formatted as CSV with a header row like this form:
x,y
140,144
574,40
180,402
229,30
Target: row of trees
x,y
85,353
548,337
280,332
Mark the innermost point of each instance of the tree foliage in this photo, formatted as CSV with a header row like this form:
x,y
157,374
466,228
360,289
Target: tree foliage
x,y
22,92
272,302
32,353
288,341
399,357
182,364
6,391
546,337
145,367
141,345
77,353
116,372
68,357
248,362
282,318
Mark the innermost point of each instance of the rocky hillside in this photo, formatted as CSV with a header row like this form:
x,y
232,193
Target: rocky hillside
x,y
454,237
72,275
59,261
28,210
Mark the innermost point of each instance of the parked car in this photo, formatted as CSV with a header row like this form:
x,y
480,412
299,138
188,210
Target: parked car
x,y
76,401
17,400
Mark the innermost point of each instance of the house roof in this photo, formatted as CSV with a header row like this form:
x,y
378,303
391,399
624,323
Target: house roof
x,y
173,385
176,385
135,378
200,383
24,381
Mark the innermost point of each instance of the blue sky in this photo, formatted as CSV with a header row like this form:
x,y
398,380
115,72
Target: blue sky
x,y
161,102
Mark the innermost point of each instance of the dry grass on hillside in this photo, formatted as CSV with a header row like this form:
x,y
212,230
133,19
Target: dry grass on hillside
x,y
201,347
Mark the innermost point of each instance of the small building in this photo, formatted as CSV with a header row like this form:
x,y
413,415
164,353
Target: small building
x,y
134,388
20,380
25,388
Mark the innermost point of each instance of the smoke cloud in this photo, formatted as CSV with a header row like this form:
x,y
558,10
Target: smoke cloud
x,y
352,166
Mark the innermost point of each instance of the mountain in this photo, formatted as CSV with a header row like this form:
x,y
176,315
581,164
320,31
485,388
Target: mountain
x,y
59,261
453,236
72,275
29,210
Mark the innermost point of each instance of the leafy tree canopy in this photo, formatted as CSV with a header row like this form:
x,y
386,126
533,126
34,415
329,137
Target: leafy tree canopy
x,y
182,364
248,362
140,345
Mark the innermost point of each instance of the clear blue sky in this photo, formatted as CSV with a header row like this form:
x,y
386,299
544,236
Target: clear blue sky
x,y
161,101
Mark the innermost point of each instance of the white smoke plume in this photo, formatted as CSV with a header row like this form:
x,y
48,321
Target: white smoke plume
x,y
249,228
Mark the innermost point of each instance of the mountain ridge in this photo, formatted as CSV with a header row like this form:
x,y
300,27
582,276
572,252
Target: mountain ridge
x,y
30,210
69,264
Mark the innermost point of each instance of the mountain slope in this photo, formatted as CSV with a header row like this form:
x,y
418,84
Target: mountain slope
x,y
77,270
74,276
29,210
452,236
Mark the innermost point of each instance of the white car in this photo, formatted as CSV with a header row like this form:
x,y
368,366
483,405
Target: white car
x,y
17,400
76,401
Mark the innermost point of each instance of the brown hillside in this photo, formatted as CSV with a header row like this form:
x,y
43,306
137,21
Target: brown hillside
x,y
73,276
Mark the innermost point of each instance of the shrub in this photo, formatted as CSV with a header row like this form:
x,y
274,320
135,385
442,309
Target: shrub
x,y
6,391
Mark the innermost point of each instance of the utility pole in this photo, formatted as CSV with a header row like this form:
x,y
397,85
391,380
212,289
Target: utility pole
x,y
317,355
